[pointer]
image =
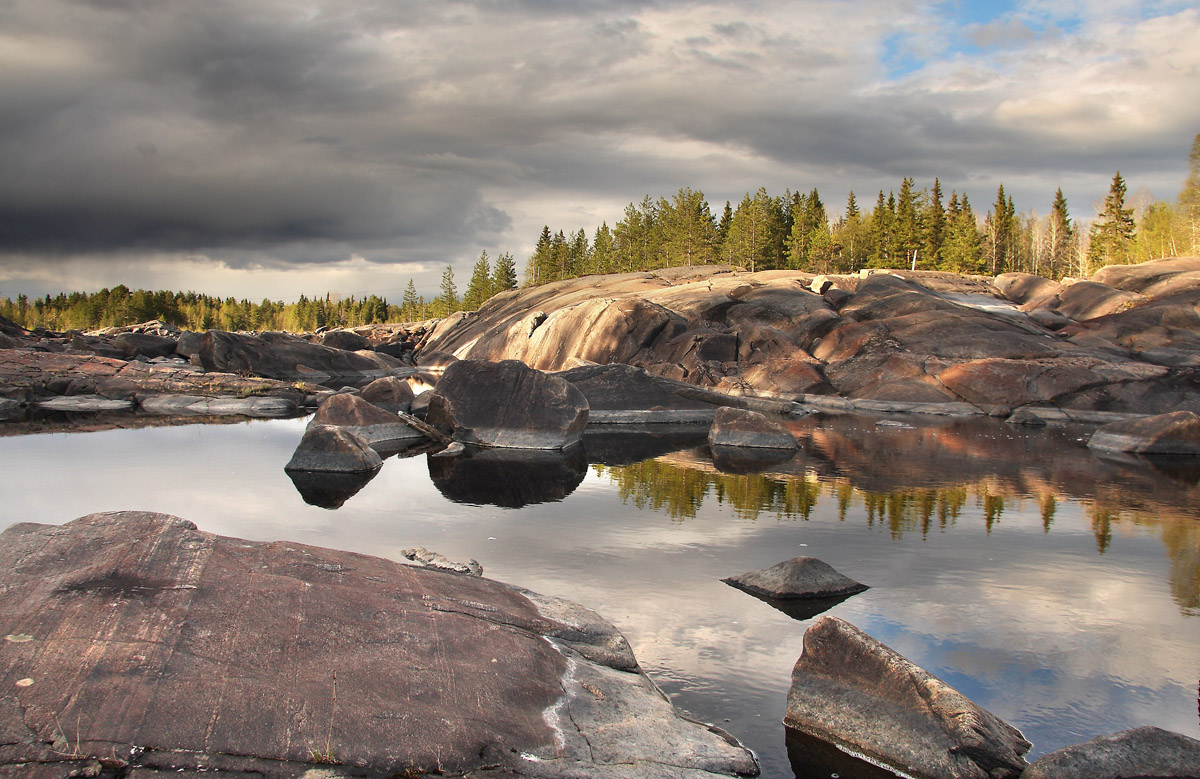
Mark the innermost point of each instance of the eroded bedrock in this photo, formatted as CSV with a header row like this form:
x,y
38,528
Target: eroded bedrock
x,y
133,640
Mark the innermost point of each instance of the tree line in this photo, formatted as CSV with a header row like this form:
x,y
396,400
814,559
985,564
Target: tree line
x,y
912,228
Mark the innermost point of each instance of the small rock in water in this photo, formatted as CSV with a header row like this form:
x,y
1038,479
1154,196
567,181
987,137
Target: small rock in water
x,y
428,559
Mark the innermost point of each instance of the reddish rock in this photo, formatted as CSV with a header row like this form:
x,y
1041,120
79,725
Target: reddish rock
x,y
138,644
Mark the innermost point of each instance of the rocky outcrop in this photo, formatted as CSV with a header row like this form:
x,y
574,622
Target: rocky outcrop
x,y
285,356
328,448
852,691
800,577
389,393
1141,753
1127,341
1175,433
507,404
136,644
742,428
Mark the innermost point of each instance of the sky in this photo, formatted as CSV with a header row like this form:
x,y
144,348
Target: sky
x,y
280,147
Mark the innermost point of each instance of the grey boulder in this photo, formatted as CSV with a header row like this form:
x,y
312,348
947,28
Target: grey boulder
x,y
366,422
741,427
1141,753
507,404
800,577
852,691
1174,433
390,393
326,448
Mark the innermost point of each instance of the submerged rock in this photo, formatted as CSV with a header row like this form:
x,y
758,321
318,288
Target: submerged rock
x,y
740,427
1141,753
1175,433
507,404
326,448
852,691
800,577
173,651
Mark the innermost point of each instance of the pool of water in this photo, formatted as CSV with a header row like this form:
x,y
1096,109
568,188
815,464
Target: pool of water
x,y
1057,589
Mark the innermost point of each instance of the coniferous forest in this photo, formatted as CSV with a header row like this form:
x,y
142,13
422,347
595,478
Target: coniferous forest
x,y
910,228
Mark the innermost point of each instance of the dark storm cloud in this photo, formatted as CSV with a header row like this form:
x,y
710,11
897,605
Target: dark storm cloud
x,y
286,133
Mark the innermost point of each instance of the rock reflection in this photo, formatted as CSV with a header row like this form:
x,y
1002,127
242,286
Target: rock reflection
x,y
329,489
812,758
509,478
937,470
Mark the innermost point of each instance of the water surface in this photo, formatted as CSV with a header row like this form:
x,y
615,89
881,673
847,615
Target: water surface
x,y
1059,590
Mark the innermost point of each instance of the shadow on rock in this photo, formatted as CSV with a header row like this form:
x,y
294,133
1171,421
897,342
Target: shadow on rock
x,y
747,460
509,478
812,758
329,489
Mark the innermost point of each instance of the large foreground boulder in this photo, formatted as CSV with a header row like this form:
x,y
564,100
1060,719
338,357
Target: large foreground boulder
x,y
138,644
1174,433
852,691
1141,753
507,404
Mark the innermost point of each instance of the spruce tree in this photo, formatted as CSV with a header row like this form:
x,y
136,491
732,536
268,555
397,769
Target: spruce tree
x,y
538,269
479,288
504,275
933,223
1060,236
1189,197
1112,233
448,301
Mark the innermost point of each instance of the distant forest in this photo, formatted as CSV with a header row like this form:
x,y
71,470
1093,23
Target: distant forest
x,y
914,228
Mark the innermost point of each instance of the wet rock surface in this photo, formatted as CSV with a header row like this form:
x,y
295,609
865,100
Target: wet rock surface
x,y
853,692
137,644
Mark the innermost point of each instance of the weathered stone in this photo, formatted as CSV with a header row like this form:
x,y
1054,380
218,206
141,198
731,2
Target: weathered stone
x,y
852,691
144,344
325,448
368,423
346,340
1174,433
428,559
1027,417
84,403
739,427
507,404
221,405
1023,288
1141,753
165,650
800,577
283,356
388,393
619,387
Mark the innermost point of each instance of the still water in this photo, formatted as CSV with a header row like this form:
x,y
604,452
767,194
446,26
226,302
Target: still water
x,y
1059,590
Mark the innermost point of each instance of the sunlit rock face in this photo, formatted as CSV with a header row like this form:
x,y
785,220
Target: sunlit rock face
x,y
1128,340
507,404
1175,433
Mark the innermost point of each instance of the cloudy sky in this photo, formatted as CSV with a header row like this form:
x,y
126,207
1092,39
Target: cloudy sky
x,y
275,147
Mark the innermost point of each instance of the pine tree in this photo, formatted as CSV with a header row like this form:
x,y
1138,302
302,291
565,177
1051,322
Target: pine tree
x,y
504,275
409,309
539,269
448,301
908,239
933,222
1112,234
604,256
1060,235
999,226
479,288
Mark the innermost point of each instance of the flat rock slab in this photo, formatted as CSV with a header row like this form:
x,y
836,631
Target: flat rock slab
x,y
852,691
1174,433
137,641
221,405
1141,753
741,427
800,577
